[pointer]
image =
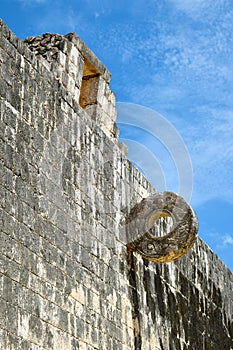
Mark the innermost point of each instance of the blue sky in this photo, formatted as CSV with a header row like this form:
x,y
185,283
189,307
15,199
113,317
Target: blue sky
x,y
174,57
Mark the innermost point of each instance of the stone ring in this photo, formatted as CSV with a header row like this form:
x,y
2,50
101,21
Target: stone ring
x,y
171,246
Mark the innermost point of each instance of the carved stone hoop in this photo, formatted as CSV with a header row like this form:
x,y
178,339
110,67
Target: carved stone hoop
x,y
177,242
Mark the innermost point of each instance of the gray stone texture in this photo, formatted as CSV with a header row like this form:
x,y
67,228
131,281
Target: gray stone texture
x,y
67,280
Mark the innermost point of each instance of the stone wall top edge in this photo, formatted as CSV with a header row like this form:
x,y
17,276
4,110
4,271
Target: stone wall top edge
x,y
39,64
215,258
89,55
13,39
5,28
72,39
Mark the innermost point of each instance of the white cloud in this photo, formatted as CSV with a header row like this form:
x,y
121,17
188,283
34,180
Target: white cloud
x,y
226,242
211,148
200,9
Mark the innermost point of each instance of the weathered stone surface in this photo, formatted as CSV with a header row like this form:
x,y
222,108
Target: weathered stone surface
x,y
67,279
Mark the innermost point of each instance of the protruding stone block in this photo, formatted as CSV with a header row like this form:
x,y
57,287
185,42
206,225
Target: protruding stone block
x,y
81,73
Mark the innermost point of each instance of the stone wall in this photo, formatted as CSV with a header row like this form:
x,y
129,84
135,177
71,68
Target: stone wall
x,y
67,279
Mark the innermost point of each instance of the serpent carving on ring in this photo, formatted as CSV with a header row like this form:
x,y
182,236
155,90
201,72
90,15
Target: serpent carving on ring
x,y
171,246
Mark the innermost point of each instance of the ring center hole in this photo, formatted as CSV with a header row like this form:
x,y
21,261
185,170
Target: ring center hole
x,y
160,223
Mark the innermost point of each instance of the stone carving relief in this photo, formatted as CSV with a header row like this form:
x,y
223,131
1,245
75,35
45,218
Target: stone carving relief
x,y
171,246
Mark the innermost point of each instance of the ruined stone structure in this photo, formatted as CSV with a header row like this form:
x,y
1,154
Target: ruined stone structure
x,y
67,279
